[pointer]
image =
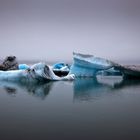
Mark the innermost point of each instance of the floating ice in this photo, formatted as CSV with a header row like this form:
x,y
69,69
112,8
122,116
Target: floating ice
x,y
37,72
61,66
23,66
88,65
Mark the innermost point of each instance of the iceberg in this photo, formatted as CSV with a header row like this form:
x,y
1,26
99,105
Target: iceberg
x,y
128,71
61,69
110,72
39,72
61,66
83,65
9,63
88,65
23,66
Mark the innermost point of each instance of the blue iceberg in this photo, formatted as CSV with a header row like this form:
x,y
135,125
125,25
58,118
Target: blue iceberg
x,y
61,66
61,69
110,72
23,66
88,65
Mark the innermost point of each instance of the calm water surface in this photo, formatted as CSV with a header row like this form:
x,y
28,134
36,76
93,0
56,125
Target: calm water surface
x,y
84,109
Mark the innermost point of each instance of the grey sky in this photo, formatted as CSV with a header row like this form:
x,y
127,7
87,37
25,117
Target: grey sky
x,y
53,29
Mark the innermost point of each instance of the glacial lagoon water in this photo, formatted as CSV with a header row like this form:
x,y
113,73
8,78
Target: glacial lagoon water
x,y
105,107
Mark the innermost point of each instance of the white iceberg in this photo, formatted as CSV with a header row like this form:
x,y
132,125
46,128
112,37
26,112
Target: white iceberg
x,y
37,72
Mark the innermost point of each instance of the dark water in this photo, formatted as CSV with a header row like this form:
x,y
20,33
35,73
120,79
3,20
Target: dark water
x,y
85,109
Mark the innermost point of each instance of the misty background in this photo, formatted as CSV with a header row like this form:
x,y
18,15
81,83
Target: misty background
x,y
52,29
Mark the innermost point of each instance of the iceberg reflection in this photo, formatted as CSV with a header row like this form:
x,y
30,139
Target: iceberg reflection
x,y
88,89
40,90
127,83
84,89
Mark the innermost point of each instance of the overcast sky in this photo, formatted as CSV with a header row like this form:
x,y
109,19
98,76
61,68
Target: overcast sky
x,y
53,29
